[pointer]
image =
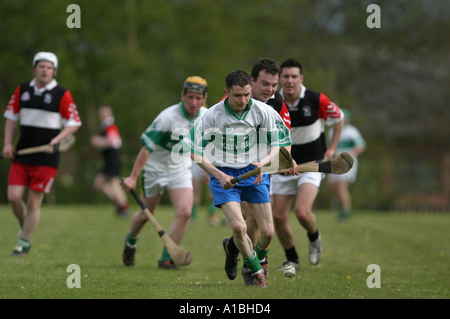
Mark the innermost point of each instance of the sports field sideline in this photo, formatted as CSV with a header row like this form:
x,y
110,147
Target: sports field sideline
x,y
411,250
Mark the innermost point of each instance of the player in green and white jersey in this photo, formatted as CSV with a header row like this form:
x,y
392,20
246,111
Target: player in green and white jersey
x,y
165,167
235,136
352,142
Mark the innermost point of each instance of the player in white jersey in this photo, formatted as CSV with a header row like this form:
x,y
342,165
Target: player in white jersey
x,y
352,142
234,136
165,167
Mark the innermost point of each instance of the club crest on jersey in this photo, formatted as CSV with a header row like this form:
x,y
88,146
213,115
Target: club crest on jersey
x,y
306,111
48,98
25,96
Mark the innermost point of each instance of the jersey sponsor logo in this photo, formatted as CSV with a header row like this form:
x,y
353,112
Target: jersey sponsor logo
x,y
306,111
48,98
25,96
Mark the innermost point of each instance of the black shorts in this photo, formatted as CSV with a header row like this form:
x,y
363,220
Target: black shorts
x,y
112,163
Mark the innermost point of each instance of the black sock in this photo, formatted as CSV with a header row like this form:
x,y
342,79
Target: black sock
x,y
291,254
231,247
313,237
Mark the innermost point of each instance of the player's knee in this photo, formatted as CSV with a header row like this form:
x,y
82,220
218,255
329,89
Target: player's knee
x,y
239,229
14,198
268,233
301,212
140,217
184,214
279,218
98,182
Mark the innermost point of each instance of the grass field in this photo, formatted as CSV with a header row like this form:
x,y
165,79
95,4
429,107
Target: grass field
x,y
412,251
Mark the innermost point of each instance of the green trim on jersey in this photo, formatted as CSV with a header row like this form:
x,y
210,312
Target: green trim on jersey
x,y
152,136
349,144
163,139
183,111
231,112
229,141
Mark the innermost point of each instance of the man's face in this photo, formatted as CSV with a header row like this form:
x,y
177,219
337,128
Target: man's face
x,y
192,102
44,73
238,97
104,112
265,86
291,81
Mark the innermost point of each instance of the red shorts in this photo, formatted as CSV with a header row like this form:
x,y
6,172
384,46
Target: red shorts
x,y
37,178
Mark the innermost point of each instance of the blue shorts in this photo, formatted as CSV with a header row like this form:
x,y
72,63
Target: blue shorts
x,y
243,191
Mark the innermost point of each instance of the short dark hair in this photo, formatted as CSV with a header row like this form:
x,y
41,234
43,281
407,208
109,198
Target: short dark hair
x,y
237,77
291,63
265,64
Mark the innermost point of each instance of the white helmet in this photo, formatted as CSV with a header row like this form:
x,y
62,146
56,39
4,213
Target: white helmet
x,y
46,56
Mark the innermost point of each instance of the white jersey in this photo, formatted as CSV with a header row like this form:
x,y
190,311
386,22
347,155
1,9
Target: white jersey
x,y
350,138
162,138
234,140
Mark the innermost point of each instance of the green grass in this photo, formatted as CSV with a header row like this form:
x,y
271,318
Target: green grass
x,y
412,251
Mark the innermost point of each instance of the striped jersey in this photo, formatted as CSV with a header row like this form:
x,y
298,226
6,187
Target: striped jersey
x,y
234,140
309,115
41,113
162,138
278,103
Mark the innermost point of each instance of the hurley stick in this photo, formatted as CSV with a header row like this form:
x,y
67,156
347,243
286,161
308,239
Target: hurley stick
x,y
340,164
180,256
64,145
334,164
284,159
327,158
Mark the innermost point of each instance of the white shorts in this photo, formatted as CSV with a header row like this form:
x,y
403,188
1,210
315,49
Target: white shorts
x,y
350,176
289,184
197,172
156,183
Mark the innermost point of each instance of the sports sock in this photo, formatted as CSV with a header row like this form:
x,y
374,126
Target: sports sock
x,y
165,256
345,213
211,208
132,241
291,254
261,252
194,212
314,236
24,243
253,263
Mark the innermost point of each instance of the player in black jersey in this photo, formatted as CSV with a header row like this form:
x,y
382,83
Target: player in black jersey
x,y
40,106
310,111
109,142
